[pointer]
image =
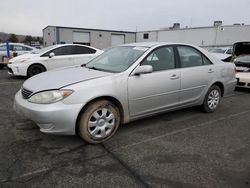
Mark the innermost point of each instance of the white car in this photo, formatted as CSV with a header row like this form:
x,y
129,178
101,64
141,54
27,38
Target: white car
x,y
242,64
18,47
227,50
52,57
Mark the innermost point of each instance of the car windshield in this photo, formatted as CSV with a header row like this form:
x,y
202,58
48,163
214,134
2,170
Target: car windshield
x,y
42,50
117,59
243,59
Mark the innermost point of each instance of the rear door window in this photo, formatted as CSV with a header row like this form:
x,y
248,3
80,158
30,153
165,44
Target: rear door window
x,y
190,57
82,50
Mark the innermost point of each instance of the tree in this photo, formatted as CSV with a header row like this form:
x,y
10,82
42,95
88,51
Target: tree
x,y
13,38
28,39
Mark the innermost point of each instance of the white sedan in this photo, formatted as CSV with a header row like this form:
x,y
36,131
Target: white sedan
x,y
19,48
52,57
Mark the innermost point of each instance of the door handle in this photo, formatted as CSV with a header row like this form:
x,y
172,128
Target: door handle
x,y
210,71
174,77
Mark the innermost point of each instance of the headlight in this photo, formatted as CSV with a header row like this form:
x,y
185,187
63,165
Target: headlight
x,y
48,97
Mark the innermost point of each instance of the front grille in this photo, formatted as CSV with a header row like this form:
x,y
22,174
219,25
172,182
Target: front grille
x,y
26,93
241,83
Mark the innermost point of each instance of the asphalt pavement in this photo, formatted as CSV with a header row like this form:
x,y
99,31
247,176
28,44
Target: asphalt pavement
x,y
185,148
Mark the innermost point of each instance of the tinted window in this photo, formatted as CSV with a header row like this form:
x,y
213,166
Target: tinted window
x,y
189,57
82,50
65,50
161,59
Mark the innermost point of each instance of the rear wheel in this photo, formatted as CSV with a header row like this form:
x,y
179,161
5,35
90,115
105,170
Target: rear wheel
x,y
35,69
99,122
212,99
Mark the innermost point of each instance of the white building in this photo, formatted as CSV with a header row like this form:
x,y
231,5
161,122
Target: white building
x,y
94,37
217,35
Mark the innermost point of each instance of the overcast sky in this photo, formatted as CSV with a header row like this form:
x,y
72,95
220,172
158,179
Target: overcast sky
x,y
31,16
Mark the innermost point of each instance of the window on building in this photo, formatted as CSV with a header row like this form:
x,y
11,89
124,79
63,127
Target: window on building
x,y
145,36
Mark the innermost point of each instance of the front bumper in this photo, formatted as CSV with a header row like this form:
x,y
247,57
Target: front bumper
x,y
16,69
229,86
56,118
243,79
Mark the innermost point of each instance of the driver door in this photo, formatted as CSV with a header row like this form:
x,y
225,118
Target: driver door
x,y
156,91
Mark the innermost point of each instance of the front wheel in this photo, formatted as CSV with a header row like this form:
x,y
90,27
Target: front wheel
x,y
35,69
99,122
212,99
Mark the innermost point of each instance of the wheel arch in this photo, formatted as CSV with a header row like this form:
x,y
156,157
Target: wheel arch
x,y
115,101
33,65
221,86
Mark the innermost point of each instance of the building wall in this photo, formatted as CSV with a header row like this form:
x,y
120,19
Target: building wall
x,y
99,39
209,36
49,36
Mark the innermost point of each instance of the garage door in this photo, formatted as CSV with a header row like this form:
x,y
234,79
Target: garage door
x,y
117,40
81,37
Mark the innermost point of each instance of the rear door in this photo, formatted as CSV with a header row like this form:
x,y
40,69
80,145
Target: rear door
x,y
156,91
197,73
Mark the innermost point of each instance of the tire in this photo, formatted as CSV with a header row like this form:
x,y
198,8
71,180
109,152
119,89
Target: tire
x,y
1,66
99,122
35,69
212,99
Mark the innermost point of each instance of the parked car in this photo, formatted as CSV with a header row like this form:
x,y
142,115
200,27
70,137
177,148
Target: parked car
x,y
224,54
226,50
52,57
18,48
241,58
123,84
243,70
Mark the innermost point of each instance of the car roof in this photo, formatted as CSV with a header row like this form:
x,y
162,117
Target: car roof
x,y
15,43
152,44
61,45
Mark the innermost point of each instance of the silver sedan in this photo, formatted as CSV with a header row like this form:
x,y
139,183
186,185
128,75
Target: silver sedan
x,y
123,84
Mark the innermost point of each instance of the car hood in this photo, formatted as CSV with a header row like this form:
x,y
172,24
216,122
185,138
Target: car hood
x,y
60,78
21,57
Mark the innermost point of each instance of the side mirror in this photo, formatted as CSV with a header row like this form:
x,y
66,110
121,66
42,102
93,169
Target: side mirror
x,y
51,55
143,69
